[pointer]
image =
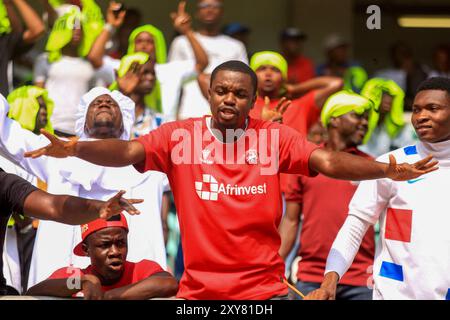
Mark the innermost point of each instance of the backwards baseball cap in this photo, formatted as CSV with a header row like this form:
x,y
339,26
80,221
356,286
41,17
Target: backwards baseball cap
x,y
97,225
270,58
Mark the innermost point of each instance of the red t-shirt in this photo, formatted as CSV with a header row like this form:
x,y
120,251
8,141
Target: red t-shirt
x,y
228,212
133,273
325,204
300,69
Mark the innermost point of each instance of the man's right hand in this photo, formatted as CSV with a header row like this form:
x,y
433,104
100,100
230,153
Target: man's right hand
x,y
116,20
91,288
327,291
57,148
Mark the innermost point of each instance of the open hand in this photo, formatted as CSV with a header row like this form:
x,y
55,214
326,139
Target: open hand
x,y
181,20
57,148
117,204
128,83
275,115
406,171
114,19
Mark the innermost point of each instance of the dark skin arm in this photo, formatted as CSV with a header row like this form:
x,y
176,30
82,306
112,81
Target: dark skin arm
x,y
61,288
324,86
34,26
52,14
337,165
327,290
75,211
289,228
161,285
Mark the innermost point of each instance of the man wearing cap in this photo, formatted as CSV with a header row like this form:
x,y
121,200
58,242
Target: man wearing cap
x,y
224,173
109,276
102,114
300,68
322,203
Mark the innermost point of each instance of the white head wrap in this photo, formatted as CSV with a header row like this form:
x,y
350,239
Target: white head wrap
x,y
127,107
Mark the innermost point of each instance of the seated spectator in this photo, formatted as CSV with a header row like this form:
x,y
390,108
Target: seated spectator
x,y
110,276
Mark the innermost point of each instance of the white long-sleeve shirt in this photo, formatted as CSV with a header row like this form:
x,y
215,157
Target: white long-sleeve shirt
x,y
413,259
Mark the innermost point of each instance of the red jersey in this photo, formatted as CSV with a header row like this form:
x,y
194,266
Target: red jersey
x,y
229,211
133,273
300,69
325,204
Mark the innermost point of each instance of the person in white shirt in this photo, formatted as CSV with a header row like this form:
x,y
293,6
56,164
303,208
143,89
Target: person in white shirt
x,y
413,259
219,47
102,114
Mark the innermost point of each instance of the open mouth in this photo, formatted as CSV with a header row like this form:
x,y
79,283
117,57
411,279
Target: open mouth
x,y
116,265
227,113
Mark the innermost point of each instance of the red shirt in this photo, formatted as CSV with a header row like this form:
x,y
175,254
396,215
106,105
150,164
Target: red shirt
x,y
325,204
228,212
301,116
133,273
300,69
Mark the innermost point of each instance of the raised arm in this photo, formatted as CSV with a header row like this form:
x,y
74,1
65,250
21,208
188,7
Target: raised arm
x,y
113,22
182,22
160,285
345,166
34,26
324,86
108,153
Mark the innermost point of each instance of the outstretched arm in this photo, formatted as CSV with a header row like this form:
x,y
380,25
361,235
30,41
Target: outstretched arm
x,y
345,166
34,26
160,285
73,210
108,153
324,86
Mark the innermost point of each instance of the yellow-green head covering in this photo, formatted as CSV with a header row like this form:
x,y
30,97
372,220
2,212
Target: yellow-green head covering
x,y
158,38
355,78
91,20
153,100
394,121
24,106
270,58
342,103
5,24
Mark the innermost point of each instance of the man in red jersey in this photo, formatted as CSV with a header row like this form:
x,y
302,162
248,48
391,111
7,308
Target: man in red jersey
x,y
322,203
224,173
110,276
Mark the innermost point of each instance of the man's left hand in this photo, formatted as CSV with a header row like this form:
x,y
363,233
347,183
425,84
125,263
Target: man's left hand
x,y
406,171
117,204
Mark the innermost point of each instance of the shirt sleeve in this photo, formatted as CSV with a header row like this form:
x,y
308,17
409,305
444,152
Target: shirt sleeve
x,y
147,268
13,192
157,150
295,152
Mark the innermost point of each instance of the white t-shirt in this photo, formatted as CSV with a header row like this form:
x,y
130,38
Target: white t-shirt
x,y
220,49
66,80
413,261
171,77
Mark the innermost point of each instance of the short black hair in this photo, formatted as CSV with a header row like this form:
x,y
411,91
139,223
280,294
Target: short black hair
x,y
237,66
437,83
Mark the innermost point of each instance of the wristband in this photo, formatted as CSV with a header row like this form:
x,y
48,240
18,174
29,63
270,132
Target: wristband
x,y
110,28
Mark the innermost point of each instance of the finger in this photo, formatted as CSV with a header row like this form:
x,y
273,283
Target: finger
x,y
182,7
392,161
135,201
280,104
49,136
285,107
35,154
429,170
421,163
266,102
119,194
430,165
173,16
39,153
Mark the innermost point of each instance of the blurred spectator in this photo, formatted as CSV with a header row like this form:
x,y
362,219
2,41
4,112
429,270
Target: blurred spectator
x,y
441,60
133,19
14,39
300,68
219,48
109,276
239,32
387,126
338,64
345,115
406,72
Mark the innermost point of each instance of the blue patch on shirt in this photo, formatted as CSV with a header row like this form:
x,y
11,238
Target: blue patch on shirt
x,y
447,297
392,271
410,151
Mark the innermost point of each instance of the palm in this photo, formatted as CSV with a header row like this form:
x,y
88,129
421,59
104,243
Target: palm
x,y
57,148
181,19
275,115
117,204
406,171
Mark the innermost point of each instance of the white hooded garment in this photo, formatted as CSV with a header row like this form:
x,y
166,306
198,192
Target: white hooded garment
x,y
55,241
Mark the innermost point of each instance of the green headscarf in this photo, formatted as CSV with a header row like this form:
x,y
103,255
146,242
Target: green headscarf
x,y
158,38
24,106
394,121
270,58
342,103
154,99
355,78
92,22
5,24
